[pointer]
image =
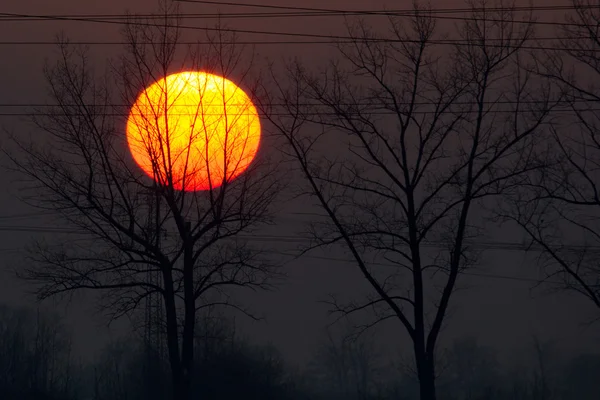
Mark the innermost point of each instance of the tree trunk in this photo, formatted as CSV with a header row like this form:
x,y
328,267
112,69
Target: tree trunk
x,y
181,363
426,375
181,384
187,347
180,377
180,388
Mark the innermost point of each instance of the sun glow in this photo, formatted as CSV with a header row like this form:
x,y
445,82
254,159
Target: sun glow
x,y
193,130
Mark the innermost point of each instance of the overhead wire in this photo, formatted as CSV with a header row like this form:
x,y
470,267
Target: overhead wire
x,y
281,114
480,274
369,12
358,103
376,111
291,42
330,38
499,245
8,17
127,19
486,245
377,108
295,13
24,215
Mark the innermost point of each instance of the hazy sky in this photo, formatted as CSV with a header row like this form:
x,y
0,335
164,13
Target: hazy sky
x,y
501,312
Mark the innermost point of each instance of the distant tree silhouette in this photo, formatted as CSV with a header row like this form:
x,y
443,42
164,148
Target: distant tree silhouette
x,y
36,364
400,142
580,377
471,372
117,373
347,367
227,368
536,374
132,227
542,382
35,357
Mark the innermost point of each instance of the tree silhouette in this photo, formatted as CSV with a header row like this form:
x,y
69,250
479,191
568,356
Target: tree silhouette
x,y
580,377
472,372
133,228
35,356
226,368
400,142
557,208
345,367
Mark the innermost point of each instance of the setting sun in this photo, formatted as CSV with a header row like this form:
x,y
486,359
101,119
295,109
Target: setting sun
x,y
193,130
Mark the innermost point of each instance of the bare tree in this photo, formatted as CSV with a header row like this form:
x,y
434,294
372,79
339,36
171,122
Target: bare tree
x,y
146,237
400,141
558,209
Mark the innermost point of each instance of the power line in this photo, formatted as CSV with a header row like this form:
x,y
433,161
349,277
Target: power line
x,y
446,42
130,17
291,42
285,114
337,259
103,21
489,245
296,12
370,12
88,43
127,19
376,107
280,114
25,215
434,13
260,32
361,104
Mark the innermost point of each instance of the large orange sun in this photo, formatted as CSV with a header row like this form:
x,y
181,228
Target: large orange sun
x,y
193,131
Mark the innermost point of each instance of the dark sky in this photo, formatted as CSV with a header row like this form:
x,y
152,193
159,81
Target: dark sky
x,y
499,311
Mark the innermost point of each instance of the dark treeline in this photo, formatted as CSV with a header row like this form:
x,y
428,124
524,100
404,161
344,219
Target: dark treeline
x,y
36,362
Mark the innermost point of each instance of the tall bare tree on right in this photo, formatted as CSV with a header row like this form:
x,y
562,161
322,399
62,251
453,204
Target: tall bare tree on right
x,y
400,140
559,207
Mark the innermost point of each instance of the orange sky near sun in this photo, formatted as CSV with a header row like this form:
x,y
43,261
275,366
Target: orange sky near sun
x,y
193,126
